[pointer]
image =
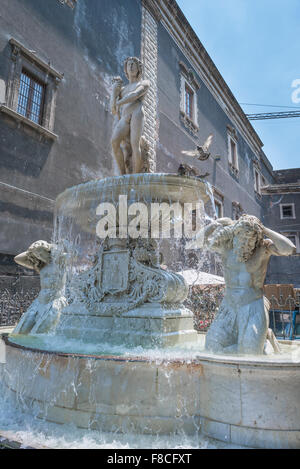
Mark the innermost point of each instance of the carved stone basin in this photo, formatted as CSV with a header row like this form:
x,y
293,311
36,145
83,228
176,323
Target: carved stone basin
x,y
114,290
79,203
248,401
138,187
123,296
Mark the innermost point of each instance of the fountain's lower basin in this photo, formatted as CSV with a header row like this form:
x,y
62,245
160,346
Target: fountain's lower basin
x,y
239,400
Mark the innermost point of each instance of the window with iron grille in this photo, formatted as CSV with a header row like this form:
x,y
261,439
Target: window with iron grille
x,y
287,211
31,97
31,91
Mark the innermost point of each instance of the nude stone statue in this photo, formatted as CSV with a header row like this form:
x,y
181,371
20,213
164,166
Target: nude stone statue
x,y
43,313
242,322
128,112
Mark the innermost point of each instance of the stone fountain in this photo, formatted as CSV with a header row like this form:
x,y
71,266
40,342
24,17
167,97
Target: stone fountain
x,y
108,343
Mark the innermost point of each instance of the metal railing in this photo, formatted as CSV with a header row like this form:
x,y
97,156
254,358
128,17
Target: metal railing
x,y
284,311
14,304
285,316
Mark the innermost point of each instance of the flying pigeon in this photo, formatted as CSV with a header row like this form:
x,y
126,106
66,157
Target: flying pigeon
x,y
201,153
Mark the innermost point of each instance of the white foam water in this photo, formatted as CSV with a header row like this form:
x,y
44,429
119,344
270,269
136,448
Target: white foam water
x,y
290,352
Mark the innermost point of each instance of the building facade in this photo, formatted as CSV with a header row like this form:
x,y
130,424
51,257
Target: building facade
x,y
69,51
282,213
57,59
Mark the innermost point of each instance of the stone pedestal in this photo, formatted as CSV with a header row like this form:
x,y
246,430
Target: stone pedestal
x,y
124,296
150,325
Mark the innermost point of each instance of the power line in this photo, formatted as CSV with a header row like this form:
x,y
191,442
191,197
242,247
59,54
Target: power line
x,y
273,115
269,105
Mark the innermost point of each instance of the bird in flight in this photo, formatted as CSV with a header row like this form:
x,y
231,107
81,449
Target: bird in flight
x,y
201,152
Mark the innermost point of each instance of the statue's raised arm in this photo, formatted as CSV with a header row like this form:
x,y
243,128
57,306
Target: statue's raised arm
x,y
278,244
134,95
44,312
204,237
115,95
242,322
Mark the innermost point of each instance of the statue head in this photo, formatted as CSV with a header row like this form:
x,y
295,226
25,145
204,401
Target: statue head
x,y
136,64
243,235
37,256
41,250
247,236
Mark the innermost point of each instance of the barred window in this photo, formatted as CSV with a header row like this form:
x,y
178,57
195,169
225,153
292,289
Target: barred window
x,y
31,97
31,91
287,211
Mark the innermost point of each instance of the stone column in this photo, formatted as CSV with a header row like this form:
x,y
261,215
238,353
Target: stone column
x,y
149,53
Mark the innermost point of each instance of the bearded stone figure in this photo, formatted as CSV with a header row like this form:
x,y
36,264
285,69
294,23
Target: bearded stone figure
x,y
245,246
128,144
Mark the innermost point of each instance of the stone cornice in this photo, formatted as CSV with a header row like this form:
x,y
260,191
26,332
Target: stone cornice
x,y
291,188
232,132
18,47
151,6
29,123
189,75
179,27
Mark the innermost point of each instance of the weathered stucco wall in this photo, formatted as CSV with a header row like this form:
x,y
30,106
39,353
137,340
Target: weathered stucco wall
x,y
174,136
283,269
87,45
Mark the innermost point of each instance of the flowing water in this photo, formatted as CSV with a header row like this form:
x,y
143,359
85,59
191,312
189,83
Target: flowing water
x,y
17,424
74,235
19,421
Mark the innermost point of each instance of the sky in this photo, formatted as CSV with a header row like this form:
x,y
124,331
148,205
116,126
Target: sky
x,y
255,45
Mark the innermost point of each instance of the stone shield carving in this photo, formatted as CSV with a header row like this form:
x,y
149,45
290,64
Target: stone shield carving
x,y
114,273
119,282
